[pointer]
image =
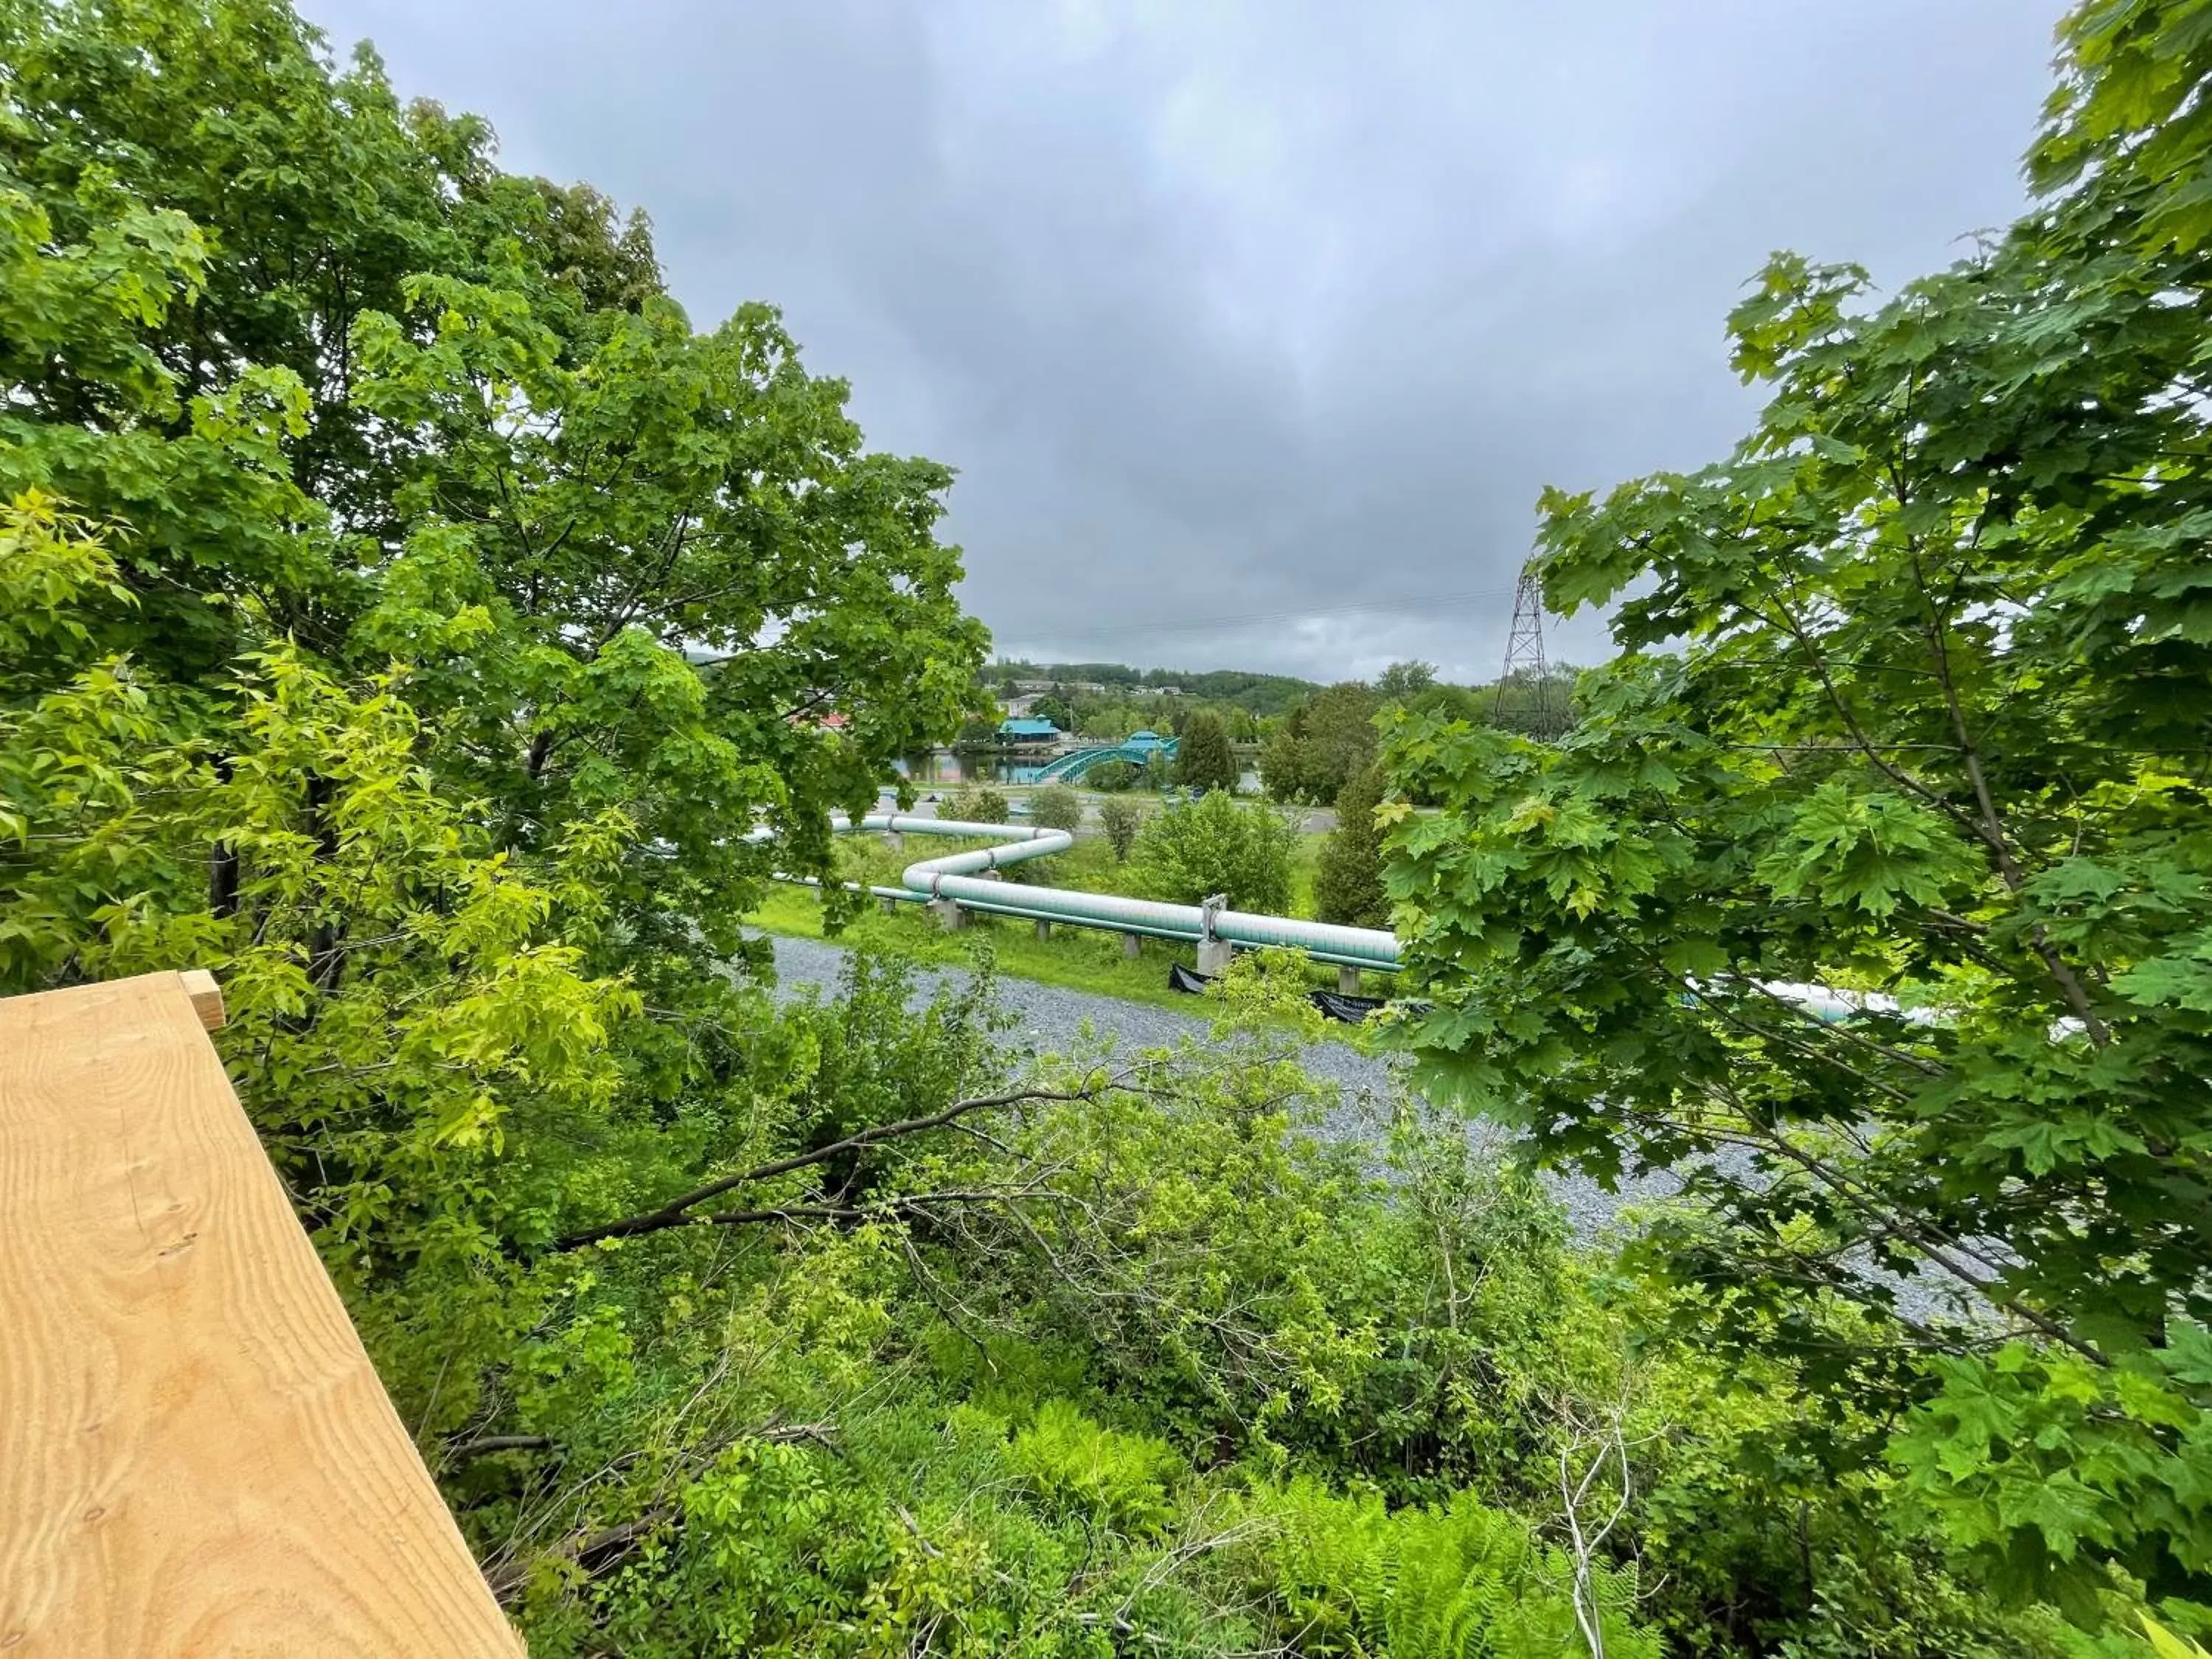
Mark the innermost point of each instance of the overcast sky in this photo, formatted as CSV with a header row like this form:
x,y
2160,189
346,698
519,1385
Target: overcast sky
x,y
1254,329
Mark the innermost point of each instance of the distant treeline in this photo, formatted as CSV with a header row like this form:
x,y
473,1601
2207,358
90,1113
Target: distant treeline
x,y
1260,695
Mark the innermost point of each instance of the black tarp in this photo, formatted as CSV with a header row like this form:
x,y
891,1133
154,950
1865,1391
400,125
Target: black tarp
x,y
1349,1009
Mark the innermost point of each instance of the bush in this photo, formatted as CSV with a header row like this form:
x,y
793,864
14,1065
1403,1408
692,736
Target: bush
x,y
975,806
1122,820
1112,776
1056,807
1216,846
1348,884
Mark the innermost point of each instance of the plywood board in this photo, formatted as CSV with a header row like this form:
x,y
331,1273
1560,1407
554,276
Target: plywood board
x,y
195,1455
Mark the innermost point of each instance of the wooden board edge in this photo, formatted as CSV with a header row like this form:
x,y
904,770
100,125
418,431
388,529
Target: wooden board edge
x,y
206,996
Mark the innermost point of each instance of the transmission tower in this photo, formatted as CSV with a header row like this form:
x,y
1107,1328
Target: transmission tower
x,y
1527,699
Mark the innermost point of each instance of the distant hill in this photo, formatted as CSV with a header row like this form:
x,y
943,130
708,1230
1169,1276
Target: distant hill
x,y
1261,694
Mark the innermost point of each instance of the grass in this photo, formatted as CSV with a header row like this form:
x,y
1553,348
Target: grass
x,y
1075,959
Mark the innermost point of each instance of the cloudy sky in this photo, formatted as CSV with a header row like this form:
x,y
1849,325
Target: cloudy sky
x,y
1254,328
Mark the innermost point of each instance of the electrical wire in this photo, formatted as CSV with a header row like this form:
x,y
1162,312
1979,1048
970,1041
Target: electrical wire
x,y
1185,624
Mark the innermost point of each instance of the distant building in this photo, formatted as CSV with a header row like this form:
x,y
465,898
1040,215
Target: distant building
x,y
1144,740
1027,731
1019,706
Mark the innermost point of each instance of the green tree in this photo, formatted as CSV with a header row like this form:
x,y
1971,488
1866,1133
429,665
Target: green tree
x,y
1056,807
1403,682
1055,709
1106,722
1203,758
1322,743
1933,745
1121,819
1283,762
1348,882
1213,845
1340,737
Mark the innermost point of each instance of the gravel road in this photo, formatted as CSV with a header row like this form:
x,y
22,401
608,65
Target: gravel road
x,y
1052,1019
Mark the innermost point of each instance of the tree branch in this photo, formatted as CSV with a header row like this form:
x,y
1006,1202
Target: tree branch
x,y
676,1212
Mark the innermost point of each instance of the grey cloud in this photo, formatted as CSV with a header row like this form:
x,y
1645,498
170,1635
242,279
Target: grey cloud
x,y
1258,311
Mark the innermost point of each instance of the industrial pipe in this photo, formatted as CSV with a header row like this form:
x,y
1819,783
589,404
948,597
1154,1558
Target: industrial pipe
x,y
956,877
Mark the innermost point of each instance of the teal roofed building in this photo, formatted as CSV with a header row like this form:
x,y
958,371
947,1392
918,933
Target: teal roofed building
x,y
1027,731
1144,740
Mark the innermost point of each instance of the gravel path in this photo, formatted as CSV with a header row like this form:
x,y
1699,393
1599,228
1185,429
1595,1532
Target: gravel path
x,y
1050,1020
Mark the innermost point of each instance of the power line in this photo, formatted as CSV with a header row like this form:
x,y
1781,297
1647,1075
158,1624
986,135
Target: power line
x,y
1409,602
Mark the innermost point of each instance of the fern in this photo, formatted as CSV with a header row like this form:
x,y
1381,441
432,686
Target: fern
x,y
1122,1479
1353,1578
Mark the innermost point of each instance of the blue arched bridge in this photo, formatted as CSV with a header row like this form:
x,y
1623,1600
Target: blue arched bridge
x,y
1137,750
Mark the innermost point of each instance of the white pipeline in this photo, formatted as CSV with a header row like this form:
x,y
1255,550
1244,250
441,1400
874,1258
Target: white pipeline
x,y
963,879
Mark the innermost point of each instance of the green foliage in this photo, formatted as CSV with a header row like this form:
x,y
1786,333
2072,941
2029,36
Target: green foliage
x,y
2166,1645
1346,1575
1121,1480
1213,845
1348,884
52,565
378,420
1056,807
2130,111
1122,820
977,805
2032,1461
1913,709
1203,758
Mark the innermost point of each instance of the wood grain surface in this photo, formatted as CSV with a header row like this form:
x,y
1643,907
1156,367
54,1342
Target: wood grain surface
x,y
195,1455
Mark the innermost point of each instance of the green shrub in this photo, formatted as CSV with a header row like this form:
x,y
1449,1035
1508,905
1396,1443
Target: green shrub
x,y
1215,845
975,804
1056,807
1122,820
